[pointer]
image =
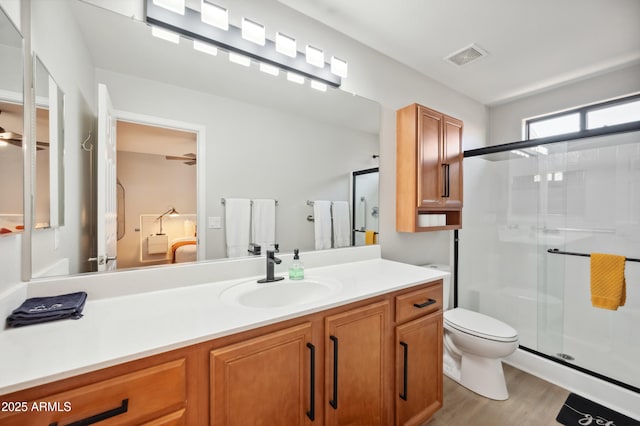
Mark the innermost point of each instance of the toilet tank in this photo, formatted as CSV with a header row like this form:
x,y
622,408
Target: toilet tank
x,y
446,284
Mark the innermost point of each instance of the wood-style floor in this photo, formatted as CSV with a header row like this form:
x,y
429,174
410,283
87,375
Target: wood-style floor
x,y
532,401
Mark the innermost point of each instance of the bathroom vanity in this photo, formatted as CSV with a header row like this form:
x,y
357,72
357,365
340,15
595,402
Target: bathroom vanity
x,y
369,352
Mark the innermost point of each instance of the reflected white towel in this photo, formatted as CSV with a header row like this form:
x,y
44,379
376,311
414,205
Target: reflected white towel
x,y
263,224
322,223
237,226
341,228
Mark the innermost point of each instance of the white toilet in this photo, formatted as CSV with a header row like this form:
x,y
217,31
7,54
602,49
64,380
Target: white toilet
x,y
474,345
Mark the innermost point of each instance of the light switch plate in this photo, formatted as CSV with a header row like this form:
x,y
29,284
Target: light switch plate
x,y
214,222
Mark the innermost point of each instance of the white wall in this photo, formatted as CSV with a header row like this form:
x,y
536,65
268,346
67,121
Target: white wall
x,y
505,120
393,85
67,59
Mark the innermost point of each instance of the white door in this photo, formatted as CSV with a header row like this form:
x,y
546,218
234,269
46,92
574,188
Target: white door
x,y
107,211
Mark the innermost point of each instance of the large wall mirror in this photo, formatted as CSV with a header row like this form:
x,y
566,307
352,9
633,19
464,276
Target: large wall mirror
x,y
11,128
192,130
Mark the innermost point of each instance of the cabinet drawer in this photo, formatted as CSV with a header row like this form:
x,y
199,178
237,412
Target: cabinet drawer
x,y
176,418
124,400
419,302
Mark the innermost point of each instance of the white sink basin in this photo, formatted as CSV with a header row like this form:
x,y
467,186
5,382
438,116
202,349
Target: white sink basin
x,y
280,293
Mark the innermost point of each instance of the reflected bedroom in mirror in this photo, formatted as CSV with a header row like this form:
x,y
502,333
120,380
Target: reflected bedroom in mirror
x,y
211,159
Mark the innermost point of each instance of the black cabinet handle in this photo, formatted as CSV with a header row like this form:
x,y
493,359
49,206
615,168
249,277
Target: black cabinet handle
x,y
405,373
312,382
425,304
124,406
334,401
445,180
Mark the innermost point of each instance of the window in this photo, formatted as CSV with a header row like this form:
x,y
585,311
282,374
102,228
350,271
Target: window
x,y
615,114
610,113
568,123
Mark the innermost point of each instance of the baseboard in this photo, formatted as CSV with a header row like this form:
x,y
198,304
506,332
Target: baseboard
x,y
615,397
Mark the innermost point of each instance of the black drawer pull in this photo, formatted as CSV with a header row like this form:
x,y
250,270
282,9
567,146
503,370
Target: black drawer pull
x,y
124,406
334,401
405,372
425,304
312,383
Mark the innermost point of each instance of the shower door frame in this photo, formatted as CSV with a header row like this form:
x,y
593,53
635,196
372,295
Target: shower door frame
x,y
530,143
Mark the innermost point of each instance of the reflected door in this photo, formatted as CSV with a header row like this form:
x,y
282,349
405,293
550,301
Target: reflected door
x,y
107,209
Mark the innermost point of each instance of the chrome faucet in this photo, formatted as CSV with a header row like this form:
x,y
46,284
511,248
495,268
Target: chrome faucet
x,y
272,260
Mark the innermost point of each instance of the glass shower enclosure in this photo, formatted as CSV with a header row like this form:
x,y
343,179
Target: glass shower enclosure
x,y
525,207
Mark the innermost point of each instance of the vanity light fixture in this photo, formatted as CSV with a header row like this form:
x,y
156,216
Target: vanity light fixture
x,y
176,6
295,78
315,56
253,32
215,15
286,45
165,34
236,58
205,47
248,43
269,69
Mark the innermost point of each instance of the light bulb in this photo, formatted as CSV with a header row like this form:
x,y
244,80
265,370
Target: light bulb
x,y
315,56
286,45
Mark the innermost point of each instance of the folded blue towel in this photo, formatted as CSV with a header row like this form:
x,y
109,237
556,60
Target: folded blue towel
x,y
43,309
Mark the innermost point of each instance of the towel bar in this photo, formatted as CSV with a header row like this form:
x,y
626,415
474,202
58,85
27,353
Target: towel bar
x,y
569,253
223,200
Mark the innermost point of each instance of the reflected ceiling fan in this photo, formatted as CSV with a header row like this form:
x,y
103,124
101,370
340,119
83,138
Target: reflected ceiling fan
x,y
15,139
189,159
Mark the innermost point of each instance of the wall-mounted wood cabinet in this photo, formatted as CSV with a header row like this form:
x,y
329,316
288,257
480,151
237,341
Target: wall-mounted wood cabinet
x,y
428,170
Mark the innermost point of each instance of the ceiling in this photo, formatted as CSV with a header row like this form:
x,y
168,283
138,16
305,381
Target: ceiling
x,y
140,138
531,45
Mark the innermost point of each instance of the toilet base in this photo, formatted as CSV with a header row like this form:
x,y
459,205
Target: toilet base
x,y
483,376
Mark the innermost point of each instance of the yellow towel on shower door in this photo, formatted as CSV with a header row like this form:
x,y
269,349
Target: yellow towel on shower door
x,y
608,287
370,237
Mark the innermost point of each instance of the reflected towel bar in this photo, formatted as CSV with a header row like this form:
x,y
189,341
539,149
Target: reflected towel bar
x,y
569,253
359,230
223,200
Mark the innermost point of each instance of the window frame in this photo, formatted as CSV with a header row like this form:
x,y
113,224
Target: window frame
x,y
582,112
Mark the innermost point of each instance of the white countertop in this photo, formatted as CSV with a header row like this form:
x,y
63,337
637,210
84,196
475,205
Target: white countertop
x,y
124,328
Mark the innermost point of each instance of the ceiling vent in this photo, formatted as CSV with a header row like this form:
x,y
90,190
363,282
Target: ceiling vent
x,y
466,55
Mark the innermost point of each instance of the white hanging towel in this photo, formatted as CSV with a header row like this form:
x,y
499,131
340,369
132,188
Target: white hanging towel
x,y
322,223
263,224
237,213
341,228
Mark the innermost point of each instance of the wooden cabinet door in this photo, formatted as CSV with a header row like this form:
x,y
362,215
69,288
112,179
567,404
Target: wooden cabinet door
x,y
418,369
452,162
430,172
355,365
263,381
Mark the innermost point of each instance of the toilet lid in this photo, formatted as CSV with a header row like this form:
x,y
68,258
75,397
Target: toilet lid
x,y
479,325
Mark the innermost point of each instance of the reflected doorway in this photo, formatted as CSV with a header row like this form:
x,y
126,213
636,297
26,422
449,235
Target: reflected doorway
x,y
365,206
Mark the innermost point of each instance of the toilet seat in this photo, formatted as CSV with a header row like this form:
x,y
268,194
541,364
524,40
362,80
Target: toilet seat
x,y
479,325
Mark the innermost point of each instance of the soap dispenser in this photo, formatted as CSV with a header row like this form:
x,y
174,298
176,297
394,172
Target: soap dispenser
x,y
296,270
